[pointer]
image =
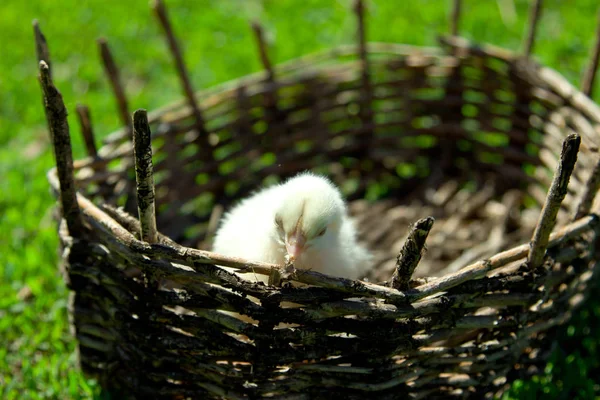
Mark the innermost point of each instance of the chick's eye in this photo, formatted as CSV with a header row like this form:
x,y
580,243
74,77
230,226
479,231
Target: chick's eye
x,y
278,223
322,232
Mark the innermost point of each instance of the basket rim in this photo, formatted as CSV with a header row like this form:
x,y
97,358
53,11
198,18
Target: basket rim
x,y
194,259
448,45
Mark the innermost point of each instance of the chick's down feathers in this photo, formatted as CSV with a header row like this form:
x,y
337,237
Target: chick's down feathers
x,y
305,219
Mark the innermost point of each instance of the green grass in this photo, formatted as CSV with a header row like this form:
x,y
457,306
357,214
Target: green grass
x,y
36,349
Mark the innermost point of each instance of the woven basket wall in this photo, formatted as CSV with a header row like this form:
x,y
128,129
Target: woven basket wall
x,y
470,135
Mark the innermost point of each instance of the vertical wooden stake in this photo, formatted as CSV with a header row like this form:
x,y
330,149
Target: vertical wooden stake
x,y
366,91
144,176
271,94
587,85
41,46
56,113
161,14
411,252
556,194
455,17
114,76
244,127
591,188
359,8
85,121
262,50
534,17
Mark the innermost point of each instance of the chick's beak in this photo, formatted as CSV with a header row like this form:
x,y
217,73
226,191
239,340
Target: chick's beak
x,y
294,245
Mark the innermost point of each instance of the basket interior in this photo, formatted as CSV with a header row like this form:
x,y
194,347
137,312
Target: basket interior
x,y
467,135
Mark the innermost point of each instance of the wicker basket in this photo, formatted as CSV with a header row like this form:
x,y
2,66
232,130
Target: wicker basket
x,y
500,151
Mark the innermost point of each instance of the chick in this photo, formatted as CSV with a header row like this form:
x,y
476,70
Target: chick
x,y
303,220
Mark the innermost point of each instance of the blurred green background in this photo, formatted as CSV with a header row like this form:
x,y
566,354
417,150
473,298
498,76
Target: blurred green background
x,y
36,350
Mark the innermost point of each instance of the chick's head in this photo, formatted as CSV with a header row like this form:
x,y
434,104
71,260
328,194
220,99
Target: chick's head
x,y
309,216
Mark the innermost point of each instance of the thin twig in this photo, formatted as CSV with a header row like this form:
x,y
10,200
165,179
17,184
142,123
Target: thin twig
x,y
534,17
366,91
587,85
359,9
411,252
556,194
161,13
262,50
41,46
244,125
85,121
142,148
455,17
213,224
56,113
270,96
114,76
591,188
